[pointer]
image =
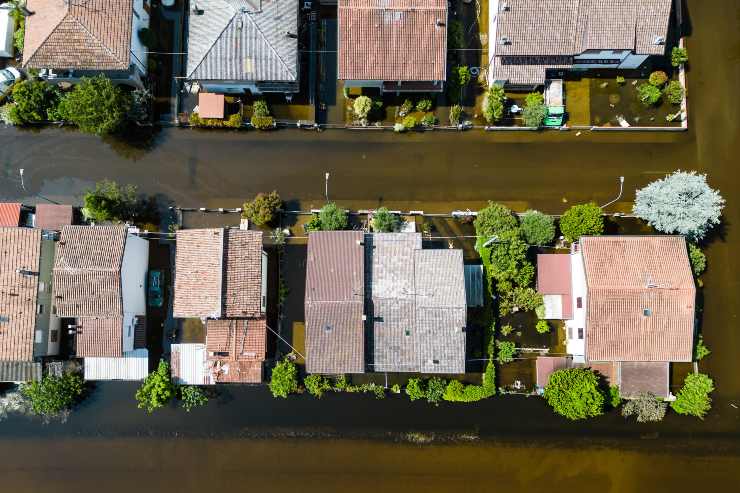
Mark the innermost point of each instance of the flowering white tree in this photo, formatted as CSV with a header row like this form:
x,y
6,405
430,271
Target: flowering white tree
x,y
680,203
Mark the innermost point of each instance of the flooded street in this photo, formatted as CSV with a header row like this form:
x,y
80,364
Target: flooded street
x,y
244,438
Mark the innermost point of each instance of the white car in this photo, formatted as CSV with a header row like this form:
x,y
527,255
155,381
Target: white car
x,y
8,77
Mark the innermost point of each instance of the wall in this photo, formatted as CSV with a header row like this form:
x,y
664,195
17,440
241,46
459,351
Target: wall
x,y
140,20
575,346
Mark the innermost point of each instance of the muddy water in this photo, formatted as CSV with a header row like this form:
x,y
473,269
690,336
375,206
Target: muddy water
x,y
523,446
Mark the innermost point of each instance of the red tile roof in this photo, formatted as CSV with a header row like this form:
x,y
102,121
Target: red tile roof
x,y
641,298
392,40
81,34
10,214
553,277
53,216
20,250
547,365
99,337
243,272
236,349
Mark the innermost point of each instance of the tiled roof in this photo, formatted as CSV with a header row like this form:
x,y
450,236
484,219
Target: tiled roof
x,y
87,271
20,371
53,216
236,349
547,365
638,377
653,19
515,70
20,250
218,272
80,34
99,337
244,40
537,27
392,40
334,302
641,298
554,278
10,214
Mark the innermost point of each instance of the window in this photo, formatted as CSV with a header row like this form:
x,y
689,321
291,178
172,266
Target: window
x,y
40,309
580,332
570,332
579,302
54,336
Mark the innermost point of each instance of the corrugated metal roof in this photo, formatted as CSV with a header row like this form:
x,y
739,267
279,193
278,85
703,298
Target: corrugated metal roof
x,y
19,371
474,285
132,365
189,365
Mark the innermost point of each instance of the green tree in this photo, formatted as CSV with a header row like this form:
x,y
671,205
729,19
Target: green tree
x,y
574,393
317,385
648,94
260,108
284,379
507,262
333,218
362,106
415,389
157,389
697,259
534,111
95,105
537,228
53,395
456,112
263,209
192,396
424,104
110,202
493,104
542,327
693,398
494,219
674,92
658,78
435,389
679,56
700,350
505,351
645,408
33,101
582,220
384,221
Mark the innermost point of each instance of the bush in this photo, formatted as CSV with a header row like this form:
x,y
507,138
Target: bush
x,y
658,78
262,122
409,122
316,385
33,101
110,202
526,299
399,128
693,399
424,104
157,389
260,108
384,221
574,393
494,220
284,379
645,408
582,220
415,389
697,259
313,224
456,391
506,330
233,121
621,80
542,327
461,75
648,94
455,35
95,105
493,104
701,351
53,395
429,120
534,111
505,351
341,384
19,35
406,107
537,228
263,209
395,388
192,397
455,114
362,106
333,218
674,92
436,389
615,398
681,203
679,56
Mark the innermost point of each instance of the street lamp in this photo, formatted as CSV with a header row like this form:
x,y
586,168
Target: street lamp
x,y
326,186
621,186
23,185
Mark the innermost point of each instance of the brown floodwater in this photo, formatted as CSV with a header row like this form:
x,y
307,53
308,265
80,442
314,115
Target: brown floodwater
x,y
245,438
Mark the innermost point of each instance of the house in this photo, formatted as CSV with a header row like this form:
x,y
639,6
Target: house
x,y
100,286
29,330
66,40
535,40
238,46
221,278
382,301
53,217
629,306
13,214
393,45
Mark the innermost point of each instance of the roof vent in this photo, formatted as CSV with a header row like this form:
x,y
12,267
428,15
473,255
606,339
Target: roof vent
x,y
327,328
505,40
505,7
290,35
197,10
439,23
647,312
239,24
658,40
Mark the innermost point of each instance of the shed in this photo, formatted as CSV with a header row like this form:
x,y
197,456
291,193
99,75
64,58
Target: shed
x,y
210,105
474,285
134,365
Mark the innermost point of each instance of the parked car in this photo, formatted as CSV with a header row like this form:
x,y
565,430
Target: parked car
x,y
155,296
8,77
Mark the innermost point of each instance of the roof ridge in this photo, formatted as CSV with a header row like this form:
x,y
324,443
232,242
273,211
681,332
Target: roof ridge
x,y
51,31
98,40
269,44
215,40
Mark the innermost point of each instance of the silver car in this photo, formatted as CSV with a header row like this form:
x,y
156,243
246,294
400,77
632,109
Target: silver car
x,y
8,77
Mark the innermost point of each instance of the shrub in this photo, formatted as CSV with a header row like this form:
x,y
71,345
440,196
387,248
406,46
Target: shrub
x,y
399,128
316,385
429,120
582,220
33,101
681,203
260,108
456,391
333,218
461,75
340,384
455,114
506,330
406,107
192,397
674,92
415,389
263,209
362,106
526,299
435,389
262,122
697,259
658,78
19,35
679,56
693,399
395,388
233,121
506,263
313,224
537,228
284,379
424,104
494,220
53,395
95,105
701,351
534,111
615,398
542,327
157,389
505,351
648,94
645,408
384,221
574,393
621,80
409,122
493,104
110,202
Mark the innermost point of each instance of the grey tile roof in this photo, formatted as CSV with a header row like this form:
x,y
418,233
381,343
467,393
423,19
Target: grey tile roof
x,y
243,40
20,371
642,376
538,27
